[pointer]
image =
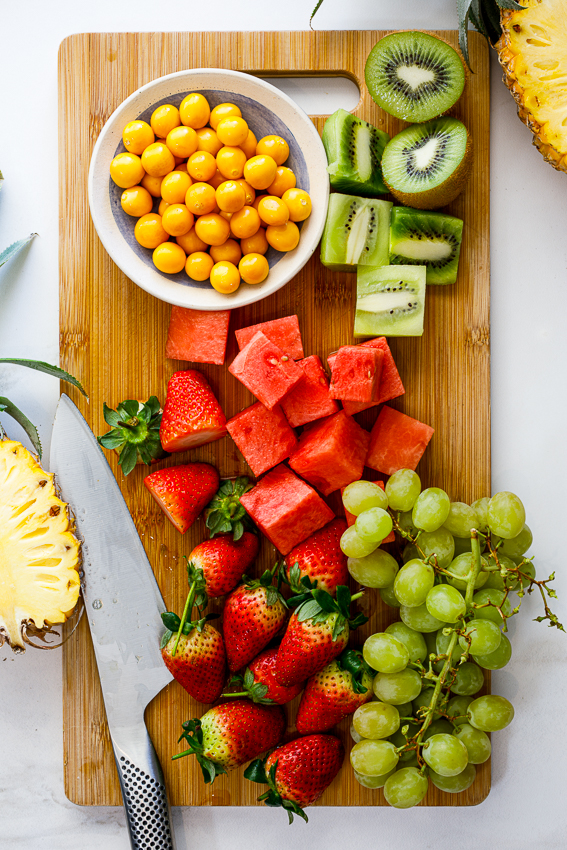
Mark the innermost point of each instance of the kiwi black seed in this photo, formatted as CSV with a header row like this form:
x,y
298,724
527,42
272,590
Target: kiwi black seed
x,y
354,151
430,239
415,75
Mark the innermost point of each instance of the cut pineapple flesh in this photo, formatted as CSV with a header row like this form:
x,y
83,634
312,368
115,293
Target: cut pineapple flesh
x,y
39,555
533,53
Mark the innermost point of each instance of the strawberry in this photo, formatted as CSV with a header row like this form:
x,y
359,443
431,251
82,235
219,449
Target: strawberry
x,y
231,734
260,684
320,558
253,614
334,692
182,492
225,512
134,432
224,561
192,415
193,651
317,632
298,772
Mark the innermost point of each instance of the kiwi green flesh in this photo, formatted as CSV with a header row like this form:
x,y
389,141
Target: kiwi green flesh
x,y
354,151
430,239
357,231
414,75
390,301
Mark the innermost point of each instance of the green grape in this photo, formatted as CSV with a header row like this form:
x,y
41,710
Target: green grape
x,y
495,580
430,639
499,658
388,596
445,754
461,520
376,720
506,514
454,784
477,743
402,489
462,544
378,569
480,507
362,495
438,727
353,546
410,553
413,583
457,709
515,546
405,788
406,523
373,781
462,566
412,640
423,700
468,681
420,619
442,645
374,758
439,543
497,597
354,735
404,708
484,636
431,509
490,713
396,688
385,653
445,603
373,525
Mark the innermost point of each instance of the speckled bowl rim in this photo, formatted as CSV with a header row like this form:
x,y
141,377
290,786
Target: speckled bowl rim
x,y
199,79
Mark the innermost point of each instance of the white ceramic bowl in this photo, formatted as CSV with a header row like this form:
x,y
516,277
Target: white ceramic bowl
x,y
267,111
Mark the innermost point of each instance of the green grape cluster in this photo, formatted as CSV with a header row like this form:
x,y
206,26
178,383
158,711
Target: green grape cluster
x,y
451,576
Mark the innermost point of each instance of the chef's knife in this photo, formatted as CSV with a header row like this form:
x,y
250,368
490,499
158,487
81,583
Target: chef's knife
x,y
123,606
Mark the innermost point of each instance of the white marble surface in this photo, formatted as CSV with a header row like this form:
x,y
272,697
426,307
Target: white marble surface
x,y
526,807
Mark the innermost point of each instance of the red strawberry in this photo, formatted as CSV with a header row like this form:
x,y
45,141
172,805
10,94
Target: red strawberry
x,y
224,561
231,734
260,684
317,632
320,558
182,492
334,692
298,772
191,414
253,614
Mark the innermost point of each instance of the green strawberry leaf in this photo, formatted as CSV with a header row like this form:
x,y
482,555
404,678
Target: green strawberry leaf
x,y
166,637
10,408
112,439
48,369
171,621
292,809
128,458
15,248
238,530
343,600
225,512
111,417
340,625
255,772
324,600
357,621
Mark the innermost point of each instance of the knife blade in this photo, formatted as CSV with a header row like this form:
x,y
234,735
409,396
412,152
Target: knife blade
x,y
123,604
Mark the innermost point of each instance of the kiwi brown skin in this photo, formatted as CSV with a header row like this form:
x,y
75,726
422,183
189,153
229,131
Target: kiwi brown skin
x,y
439,196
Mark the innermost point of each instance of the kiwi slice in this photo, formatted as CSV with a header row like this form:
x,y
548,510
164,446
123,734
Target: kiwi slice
x,y
390,301
414,75
357,231
429,239
427,165
354,150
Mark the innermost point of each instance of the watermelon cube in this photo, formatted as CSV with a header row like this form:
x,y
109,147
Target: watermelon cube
x,y
330,454
283,332
397,441
310,399
197,335
351,519
285,508
355,374
265,370
263,436
390,382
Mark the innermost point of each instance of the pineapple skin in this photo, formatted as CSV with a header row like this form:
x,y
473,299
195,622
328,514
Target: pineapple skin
x,y
533,53
39,554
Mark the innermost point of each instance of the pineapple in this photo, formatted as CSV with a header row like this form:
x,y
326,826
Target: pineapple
x,y
39,554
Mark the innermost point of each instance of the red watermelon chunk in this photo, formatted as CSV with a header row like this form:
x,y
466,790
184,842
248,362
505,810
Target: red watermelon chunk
x,y
351,519
331,453
265,370
263,436
285,508
197,335
397,441
310,399
390,382
283,332
356,373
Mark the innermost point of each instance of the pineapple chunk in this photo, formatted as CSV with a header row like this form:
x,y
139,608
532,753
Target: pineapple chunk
x,y
39,555
533,52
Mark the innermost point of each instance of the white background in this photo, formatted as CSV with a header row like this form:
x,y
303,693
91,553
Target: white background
x,y
526,807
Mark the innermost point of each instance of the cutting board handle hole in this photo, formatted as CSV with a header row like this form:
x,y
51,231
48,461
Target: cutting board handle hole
x,y
318,95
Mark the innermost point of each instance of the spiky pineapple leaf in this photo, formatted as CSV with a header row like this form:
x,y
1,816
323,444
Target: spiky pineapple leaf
x,y
10,408
314,12
40,366
13,249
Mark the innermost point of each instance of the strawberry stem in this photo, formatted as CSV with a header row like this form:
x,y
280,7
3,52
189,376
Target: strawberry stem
x,y
186,611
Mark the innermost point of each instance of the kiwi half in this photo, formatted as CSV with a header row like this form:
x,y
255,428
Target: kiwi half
x,y
427,165
414,75
390,301
357,231
354,150
429,239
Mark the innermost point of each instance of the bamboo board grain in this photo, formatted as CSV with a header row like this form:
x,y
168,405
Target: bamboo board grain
x,y
113,337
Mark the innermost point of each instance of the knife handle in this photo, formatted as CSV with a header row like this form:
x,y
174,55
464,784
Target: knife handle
x,y
145,798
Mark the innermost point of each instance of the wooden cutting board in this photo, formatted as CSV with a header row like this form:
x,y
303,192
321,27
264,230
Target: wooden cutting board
x,y
113,338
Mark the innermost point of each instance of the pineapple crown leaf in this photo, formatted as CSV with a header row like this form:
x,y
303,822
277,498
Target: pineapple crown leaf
x,y
256,772
193,736
13,249
225,513
10,408
352,661
135,431
48,369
